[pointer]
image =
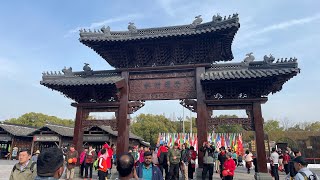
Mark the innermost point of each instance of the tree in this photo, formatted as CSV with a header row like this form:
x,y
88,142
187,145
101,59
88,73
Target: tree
x,y
272,126
149,126
313,126
39,120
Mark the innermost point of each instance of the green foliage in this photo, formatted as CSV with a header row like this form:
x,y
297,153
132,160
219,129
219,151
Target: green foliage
x,y
313,126
149,126
229,128
272,126
39,119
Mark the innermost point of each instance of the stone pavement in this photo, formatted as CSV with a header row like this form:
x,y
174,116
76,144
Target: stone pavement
x,y
240,173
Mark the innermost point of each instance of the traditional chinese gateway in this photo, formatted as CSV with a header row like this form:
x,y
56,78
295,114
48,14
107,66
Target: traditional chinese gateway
x,y
186,63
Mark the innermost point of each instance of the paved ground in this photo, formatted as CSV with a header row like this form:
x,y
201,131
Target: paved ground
x,y
240,174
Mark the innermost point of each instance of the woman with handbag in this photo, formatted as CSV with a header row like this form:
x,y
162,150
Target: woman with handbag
x,y
228,167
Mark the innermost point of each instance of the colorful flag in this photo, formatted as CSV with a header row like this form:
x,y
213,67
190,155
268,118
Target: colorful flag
x,y
218,141
159,139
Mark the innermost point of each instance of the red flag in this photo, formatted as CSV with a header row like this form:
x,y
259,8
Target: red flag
x,y
240,145
222,140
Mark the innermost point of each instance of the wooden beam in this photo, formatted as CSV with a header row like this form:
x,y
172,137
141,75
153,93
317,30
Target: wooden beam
x,y
260,145
202,113
122,116
96,105
237,102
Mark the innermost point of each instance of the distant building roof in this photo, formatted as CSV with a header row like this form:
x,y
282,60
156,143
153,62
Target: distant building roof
x,y
17,130
59,129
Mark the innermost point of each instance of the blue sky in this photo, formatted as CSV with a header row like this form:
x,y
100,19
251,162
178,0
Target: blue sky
x,y
37,36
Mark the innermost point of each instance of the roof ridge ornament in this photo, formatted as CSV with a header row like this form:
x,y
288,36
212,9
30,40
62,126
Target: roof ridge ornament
x,y
216,18
132,28
250,58
269,59
67,72
87,69
198,20
106,30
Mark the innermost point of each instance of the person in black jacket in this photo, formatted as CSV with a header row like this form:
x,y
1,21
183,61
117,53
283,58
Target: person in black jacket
x,y
163,161
293,171
222,158
208,159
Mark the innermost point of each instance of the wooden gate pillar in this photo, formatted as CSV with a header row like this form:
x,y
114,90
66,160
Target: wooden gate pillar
x,y
202,114
259,134
78,129
122,117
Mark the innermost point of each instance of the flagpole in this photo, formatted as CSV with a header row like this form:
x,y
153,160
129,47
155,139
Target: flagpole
x,y
183,119
190,123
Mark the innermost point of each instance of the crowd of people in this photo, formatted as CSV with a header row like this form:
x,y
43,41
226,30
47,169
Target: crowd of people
x,y
155,163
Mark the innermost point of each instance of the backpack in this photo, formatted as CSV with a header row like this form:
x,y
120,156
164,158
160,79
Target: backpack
x,y
95,164
31,167
309,178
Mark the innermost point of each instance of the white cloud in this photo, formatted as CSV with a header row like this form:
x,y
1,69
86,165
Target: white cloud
x,y
282,25
99,24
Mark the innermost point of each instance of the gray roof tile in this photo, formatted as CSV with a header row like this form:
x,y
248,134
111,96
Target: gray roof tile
x,y
79,81
17,130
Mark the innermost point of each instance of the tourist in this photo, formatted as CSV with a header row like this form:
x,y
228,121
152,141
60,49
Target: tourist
x,y
109,159
163,160
125,167
208,159
102,164
248,159
303,172
286,160
280,168
90,158
216,154
192,162
234,156
155,160
82,160
185,158
25,169
296,154
35,156
222,158
72,156
147,170
112,150
274,158
229,166
174,156
14,153
141,152
50,164
135,155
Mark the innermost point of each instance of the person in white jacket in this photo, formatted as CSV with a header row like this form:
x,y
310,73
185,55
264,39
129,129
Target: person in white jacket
x,y
303,172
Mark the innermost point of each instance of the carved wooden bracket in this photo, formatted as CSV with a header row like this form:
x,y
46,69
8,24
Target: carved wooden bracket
x,y
190,104
135,106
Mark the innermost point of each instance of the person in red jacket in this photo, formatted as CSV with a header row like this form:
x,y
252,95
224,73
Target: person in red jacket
x,y
102,165
229,166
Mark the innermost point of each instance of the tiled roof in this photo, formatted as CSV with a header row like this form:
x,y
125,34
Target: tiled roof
x,y
217,23
59,129
79,81
17,130
258,69
115,133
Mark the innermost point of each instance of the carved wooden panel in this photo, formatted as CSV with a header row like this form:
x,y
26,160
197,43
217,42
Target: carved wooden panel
x,y
246,123
162,89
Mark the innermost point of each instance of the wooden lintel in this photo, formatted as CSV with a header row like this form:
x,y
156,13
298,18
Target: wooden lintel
x,y
228,102
230,107
96,105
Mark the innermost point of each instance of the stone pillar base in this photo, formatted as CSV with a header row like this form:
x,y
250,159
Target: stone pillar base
x,y
262,176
